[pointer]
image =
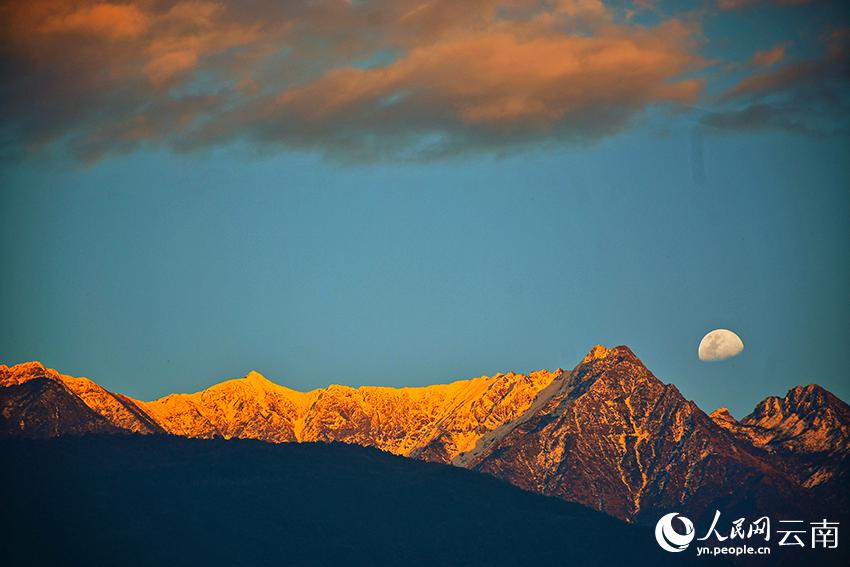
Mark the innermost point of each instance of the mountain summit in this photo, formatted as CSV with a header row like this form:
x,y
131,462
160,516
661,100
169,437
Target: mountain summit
x,y
807,433
39,402
617,439
608,434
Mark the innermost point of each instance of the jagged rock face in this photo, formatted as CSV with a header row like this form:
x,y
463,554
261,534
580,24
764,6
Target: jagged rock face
x,y
41,407
808,420
614,437
506,398
123,413
807,433
433,423
250,407
397,421
723,418
20,373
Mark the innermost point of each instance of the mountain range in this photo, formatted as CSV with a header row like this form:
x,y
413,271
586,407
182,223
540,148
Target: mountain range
x,y
607,434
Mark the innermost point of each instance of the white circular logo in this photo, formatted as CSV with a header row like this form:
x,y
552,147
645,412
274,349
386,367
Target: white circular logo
x,y
667,536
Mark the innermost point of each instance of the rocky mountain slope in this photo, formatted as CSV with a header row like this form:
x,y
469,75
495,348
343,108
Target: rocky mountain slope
x,y
94,408
608,434
433,423
615,438
42,408
807,435
809,424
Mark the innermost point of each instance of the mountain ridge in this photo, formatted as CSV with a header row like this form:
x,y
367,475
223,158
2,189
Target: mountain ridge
x,y
607,434
231,409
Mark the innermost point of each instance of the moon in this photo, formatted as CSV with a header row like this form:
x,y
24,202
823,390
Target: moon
x,y
720,344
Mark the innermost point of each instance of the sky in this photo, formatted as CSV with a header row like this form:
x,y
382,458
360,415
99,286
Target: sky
x,y
405,193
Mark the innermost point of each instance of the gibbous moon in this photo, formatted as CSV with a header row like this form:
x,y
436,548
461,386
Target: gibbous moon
x,y
720,344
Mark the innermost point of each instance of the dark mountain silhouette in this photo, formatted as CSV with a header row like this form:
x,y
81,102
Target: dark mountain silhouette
x,y
154,500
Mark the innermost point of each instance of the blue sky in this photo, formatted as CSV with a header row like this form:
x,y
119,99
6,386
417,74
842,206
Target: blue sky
x,y
152,269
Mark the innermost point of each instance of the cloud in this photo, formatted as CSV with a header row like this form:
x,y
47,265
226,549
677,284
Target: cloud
x,y
810,96
738,4
107,20
768,58
409,79
492,89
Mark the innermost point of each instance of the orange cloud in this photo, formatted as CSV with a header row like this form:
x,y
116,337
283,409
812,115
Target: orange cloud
x,y
113,21
187,33
500,79
358,80
769,57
